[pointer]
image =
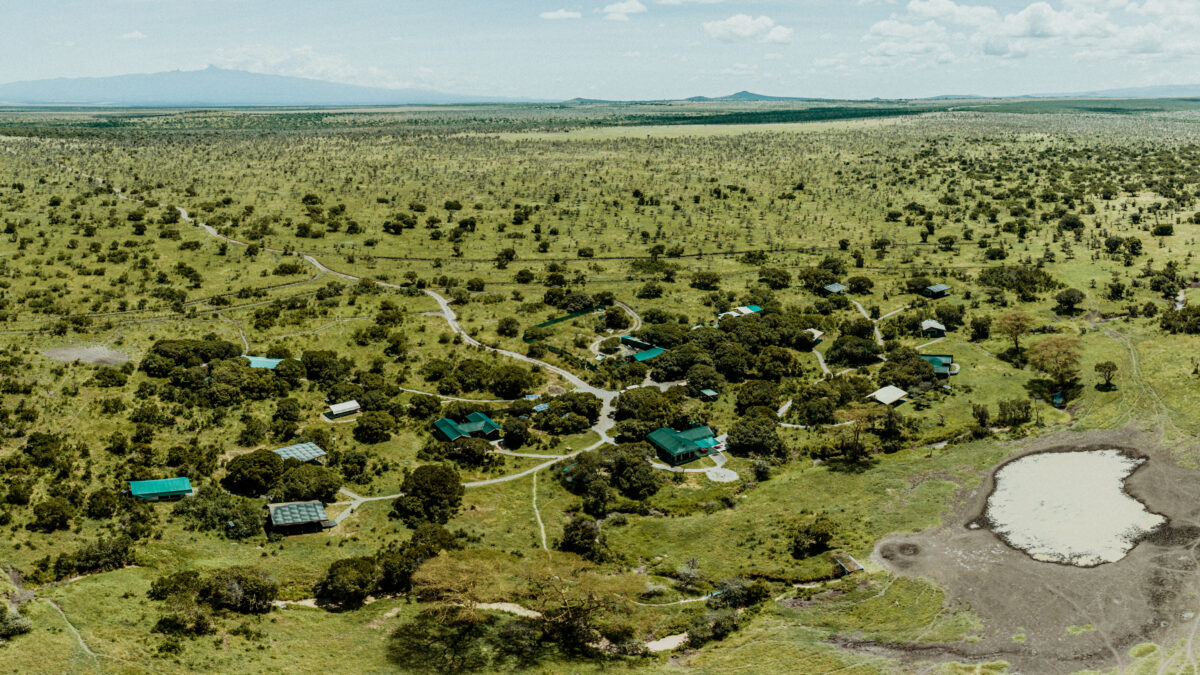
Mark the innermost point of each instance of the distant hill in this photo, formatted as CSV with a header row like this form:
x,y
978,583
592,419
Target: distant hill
x,y
219,87
1158,91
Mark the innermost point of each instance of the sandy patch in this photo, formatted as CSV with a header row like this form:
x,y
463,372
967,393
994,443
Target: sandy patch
x,y
97,354
511,608
1069,507
667,644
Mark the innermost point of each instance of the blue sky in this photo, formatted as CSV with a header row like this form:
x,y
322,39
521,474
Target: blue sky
x,y
625,49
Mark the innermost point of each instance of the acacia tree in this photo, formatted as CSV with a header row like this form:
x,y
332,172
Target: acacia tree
x,y
1057,357
1013,325
1106,369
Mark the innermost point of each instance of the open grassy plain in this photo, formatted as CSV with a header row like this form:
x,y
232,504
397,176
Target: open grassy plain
x,y
403,258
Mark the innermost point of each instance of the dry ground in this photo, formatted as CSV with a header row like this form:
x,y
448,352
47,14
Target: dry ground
x,y
1052,618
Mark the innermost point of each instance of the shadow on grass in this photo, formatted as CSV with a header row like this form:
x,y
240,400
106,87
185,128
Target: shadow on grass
x,y
852,464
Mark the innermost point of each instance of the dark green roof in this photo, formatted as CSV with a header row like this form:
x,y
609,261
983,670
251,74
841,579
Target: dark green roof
x,y
297,513
937,288
164,487
941,363
477,423
677,443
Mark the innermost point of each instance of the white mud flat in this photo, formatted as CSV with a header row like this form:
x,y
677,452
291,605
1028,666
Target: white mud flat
x,y
1069,507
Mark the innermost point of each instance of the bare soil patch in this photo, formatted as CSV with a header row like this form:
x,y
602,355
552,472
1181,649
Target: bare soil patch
x,y
97,354
1143,597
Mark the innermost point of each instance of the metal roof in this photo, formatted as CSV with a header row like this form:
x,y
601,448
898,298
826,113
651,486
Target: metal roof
x,y
160,488
305,452
262,362
648,354
932,323
836,287
297,513
677,443
937,288
342,408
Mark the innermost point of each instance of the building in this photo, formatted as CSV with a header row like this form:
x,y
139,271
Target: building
x,y
943,364
835,289
263,362
294,517
744,310
708,395
164,488
889,395
305,452
844,564
343,409
634,343
477,425
936,291
643,356
815,334
681,447
933,328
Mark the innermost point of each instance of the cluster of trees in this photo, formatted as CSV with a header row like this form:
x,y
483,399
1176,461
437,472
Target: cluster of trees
x,y
612,479
349,581
263,472
432,494
504,379
212,509
194,602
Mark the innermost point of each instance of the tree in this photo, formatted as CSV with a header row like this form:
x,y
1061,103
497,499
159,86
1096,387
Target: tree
x,y
812,537
254,472
755,435
616,318
1068,299
1057,357
1013,325
374,426
242,589
51,515
1106,369
348,581
582,535
432,493
508,327
305,483
775,277
510,381
706,281
981,327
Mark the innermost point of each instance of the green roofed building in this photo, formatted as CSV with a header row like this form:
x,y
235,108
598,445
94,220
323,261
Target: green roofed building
x,y
643,356
943,364
165,488
477,424
305,452
298,516
936,291
681,447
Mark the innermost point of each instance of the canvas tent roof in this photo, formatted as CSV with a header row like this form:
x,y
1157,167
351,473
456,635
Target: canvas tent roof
x,y
836,287
888,395
933,324
163,487
938,288
305,452
297,513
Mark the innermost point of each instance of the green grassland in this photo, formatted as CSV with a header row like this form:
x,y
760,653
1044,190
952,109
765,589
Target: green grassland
x,y
490,207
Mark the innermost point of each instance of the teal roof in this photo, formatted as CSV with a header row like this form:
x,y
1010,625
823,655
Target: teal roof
x,y
754,308
477,423
941,363
677,443
305,452
262,362
297,513
648,354
164,487
709,392
836,287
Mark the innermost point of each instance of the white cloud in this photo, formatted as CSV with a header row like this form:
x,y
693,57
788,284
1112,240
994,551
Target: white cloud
x,y
746,27
135,35
684,2
559,14
620,11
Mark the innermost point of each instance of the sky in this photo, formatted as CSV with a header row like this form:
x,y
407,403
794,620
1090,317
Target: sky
x,y
624,49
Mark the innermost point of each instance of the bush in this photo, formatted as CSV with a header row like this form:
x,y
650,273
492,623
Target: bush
x,y
812,537
242,589
254,472
432,493
348,581
307,482
214,510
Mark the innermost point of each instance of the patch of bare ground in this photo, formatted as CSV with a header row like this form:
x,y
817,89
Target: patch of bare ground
x,y
97,354
1147,596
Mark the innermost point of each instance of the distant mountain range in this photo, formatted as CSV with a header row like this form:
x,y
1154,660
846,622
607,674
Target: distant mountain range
x,y
214,86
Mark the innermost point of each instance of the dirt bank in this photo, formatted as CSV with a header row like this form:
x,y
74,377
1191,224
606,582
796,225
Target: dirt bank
x,y
97,354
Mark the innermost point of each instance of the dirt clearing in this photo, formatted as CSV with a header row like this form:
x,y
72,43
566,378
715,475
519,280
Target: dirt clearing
x,y
97,354
1028,607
